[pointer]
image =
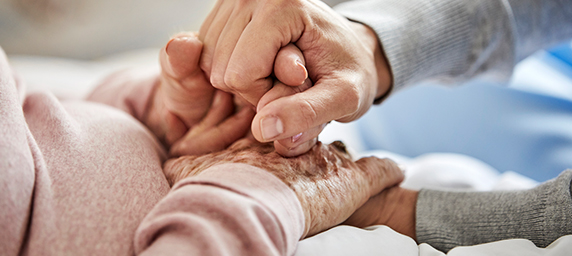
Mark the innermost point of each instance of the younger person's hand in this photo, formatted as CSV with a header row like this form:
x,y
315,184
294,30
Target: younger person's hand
x,y
190,116
344,61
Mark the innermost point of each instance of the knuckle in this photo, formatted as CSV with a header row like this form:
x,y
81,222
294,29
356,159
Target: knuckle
x,y
373,165
390,165
352,97
391,169
218,82
352,103
366,161
242,3
234,81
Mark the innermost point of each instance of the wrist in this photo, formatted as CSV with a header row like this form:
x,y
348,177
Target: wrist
x,y
384,77
404,203
394,207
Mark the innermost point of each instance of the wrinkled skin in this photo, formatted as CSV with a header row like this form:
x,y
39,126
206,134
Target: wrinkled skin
x,y
189,115
329,185
183,95
344,60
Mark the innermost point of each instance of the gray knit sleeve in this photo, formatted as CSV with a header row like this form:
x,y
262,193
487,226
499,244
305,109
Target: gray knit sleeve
x,y
457,39
445,219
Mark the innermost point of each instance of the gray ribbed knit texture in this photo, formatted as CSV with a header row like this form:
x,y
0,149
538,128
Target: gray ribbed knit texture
x,y
541,23
457,39
460,39
449,219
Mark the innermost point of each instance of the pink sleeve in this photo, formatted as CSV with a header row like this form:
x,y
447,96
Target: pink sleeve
x,y
129,90
17,168
233,209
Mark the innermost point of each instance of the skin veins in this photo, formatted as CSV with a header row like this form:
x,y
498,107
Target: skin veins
x,y
329,185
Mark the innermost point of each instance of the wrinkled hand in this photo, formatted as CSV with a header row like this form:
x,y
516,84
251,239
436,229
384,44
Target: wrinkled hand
x,y
217,130
184,95
329,185
242,39
189,115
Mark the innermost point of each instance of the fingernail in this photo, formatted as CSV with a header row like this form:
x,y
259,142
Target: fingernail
x,y
297,137
299,63
168,44
271,127
174,39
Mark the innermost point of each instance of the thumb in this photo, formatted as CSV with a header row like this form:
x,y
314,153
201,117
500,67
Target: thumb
x,y
380,173
180,56
289,66
328,100
187,92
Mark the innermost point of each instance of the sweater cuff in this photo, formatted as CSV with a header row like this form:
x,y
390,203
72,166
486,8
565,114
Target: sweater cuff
x,y
425,39
264,188
540,24
445,219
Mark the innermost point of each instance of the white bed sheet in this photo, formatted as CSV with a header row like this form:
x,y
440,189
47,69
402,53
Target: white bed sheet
x,y
451,171
383,241
74,79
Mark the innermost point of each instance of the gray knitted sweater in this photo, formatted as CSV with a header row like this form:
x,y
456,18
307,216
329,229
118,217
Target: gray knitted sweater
x,y
460,39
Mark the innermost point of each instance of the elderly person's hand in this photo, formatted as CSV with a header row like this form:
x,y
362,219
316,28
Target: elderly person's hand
x,y
189,115
329,185
184,95
394,207
344,59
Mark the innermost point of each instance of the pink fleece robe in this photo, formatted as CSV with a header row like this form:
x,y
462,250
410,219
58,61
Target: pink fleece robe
x,y
85,178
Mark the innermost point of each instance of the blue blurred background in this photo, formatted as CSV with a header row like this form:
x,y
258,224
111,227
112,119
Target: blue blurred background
x,y
524,127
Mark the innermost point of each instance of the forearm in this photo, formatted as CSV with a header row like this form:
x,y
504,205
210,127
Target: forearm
x,y
459,39
449,219
231,208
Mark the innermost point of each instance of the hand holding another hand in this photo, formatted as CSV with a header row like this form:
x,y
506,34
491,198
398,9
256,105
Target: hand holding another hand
x,y
344,60
183,95
191,116
329,185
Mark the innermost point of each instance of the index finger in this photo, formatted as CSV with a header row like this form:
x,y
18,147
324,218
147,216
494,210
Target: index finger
x,y
252,60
